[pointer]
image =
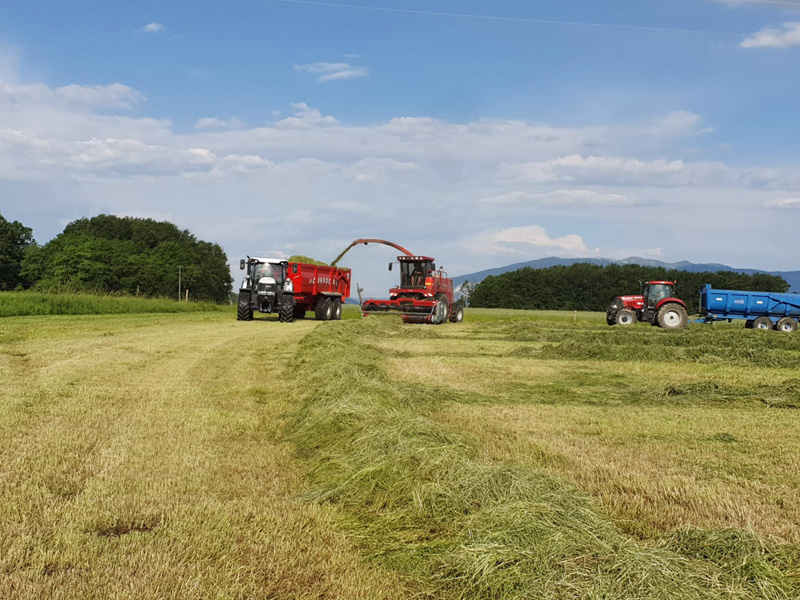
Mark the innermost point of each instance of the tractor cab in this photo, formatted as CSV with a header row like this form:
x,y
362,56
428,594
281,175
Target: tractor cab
x,y
656,291
414,271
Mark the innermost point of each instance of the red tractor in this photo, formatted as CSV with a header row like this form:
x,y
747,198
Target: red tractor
x,y
656,305
425,294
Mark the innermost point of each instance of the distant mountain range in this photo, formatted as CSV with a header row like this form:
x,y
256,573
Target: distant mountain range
x,y
793,277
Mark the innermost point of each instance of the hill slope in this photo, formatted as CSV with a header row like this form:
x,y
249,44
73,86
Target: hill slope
x,y
792,277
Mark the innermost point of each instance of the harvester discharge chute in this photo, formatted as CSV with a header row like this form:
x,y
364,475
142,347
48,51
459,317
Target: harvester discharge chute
x,y
425,294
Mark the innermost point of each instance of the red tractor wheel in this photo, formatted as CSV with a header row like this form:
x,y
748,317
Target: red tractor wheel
x,y
626,316
672,316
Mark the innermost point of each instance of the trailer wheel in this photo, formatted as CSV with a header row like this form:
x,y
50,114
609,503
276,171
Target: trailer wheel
x,y
672,316
286,313
337,309
324,310
764,323
244,312
626,317
787,325
748,324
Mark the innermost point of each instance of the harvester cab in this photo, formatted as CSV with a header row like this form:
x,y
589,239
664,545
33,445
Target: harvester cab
x,y
263,288
656,305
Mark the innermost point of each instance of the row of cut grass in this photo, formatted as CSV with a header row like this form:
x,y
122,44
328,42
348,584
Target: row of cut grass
x,y
426,502
19,304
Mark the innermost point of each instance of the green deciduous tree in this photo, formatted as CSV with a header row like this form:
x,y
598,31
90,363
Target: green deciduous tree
x,y
15,239
129,255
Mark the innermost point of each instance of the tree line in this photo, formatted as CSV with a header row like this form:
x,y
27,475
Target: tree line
x,y
589,287
109,254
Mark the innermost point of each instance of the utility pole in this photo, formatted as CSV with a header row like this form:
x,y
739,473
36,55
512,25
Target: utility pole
x,y
179,283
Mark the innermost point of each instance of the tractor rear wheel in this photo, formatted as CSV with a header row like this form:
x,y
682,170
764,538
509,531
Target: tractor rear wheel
x,y
244,312
672,316
763,323
626,316
787,325
286,313
457,315
324,310
336,309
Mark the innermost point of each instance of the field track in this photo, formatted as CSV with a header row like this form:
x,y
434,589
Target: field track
x,y
140,458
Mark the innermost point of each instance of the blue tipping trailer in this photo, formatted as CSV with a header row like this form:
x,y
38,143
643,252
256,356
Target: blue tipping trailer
x,y
760,310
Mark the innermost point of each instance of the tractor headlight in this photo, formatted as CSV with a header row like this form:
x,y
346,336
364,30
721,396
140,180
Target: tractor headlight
x,y
288,286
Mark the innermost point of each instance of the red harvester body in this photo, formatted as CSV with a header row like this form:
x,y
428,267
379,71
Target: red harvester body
x,y
425,294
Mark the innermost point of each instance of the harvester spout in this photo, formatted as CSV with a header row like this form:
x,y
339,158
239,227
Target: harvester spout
x,y
366,241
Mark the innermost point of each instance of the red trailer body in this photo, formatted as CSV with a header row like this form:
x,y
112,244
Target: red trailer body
x,y
318,285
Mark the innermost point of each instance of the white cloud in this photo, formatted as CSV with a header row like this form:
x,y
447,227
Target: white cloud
x,y
519,240
215,123
333,71
785,203
775,37
561,198
151,28
305,117
82,97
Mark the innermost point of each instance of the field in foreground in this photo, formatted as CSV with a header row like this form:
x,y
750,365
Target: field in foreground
x,y
192,456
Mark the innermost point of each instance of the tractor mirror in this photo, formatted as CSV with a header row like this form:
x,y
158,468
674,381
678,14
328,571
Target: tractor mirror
x,y
390,266
294,268
241,265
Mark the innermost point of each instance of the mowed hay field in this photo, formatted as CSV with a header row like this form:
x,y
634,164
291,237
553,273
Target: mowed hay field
x,y
516,455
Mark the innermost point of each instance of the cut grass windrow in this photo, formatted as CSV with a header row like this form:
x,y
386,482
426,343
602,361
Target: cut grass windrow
x,y
423,501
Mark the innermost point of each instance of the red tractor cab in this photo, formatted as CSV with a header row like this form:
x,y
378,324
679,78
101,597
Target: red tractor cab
x,y
656,305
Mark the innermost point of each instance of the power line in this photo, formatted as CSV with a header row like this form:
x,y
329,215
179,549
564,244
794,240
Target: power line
x,y
513,19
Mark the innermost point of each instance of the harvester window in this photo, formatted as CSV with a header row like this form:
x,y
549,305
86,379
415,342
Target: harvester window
x,y
413,274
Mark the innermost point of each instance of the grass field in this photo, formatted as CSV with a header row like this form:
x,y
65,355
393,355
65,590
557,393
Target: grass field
x,y
517,455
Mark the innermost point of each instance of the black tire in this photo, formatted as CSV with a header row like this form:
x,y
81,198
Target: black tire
x,y
763,323
457,315
323,310
748,324
244,311
286,312
626,316
300,311
787,325
611,319
672,316
336,306
442,311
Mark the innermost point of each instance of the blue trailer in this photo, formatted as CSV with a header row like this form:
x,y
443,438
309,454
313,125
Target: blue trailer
x,y
759,310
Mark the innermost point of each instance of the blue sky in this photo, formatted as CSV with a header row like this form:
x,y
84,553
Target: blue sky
x,y
662,129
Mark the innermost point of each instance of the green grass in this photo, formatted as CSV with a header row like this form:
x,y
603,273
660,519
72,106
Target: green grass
x,y
427,466
17,304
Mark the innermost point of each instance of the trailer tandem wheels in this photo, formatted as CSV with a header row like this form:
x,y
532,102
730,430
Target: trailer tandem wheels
x,y
760,310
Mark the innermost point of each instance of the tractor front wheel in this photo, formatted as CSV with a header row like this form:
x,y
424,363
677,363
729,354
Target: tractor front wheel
x,y
626,317
286,313
787,325
672,316
763,323
244,311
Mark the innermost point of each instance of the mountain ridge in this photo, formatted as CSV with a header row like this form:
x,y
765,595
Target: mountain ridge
x,y
792,277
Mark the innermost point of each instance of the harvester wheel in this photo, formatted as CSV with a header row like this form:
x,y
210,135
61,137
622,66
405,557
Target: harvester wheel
x,y
626,316
764,323
440,314
336,312
672,316
324,310
244,311
787,325
300,311
286,314
457,315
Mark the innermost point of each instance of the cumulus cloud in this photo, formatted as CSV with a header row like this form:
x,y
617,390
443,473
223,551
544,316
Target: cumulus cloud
x,y
333,71
151,28
305,117
786,36
86,97
517,240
